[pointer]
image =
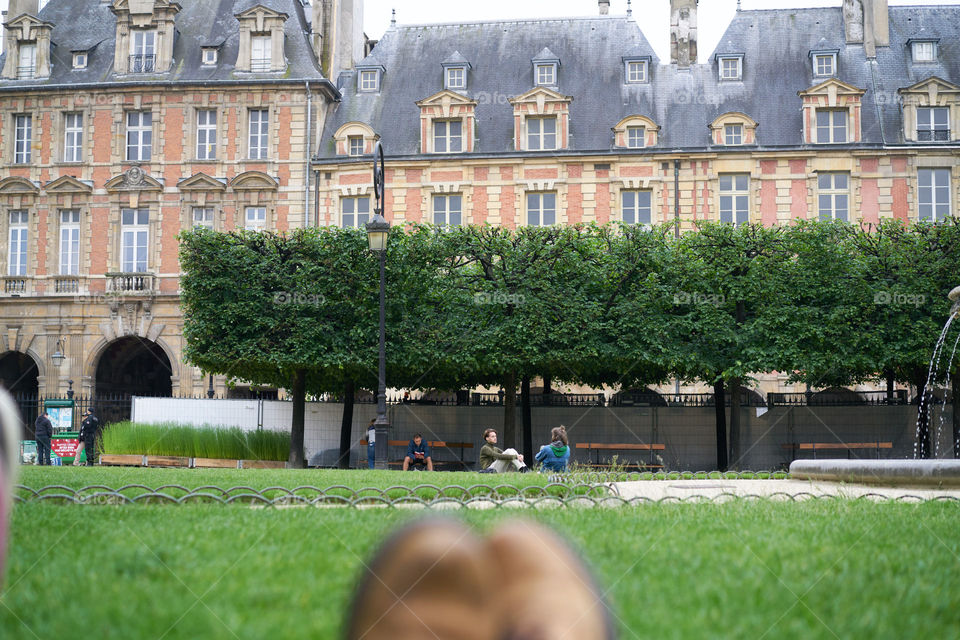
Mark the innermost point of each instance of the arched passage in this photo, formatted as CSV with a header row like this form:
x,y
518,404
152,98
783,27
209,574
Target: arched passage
x,y
127,367
19,375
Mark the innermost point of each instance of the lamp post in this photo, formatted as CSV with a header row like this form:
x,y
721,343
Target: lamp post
x,y
57,357
378,230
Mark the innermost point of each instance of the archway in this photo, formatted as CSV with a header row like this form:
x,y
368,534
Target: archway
x,y
19,376
130,367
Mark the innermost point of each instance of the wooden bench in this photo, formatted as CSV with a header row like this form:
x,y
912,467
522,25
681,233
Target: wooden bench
x,y
794,447
606,446
461,464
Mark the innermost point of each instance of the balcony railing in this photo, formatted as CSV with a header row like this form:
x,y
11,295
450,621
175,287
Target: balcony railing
x,y
933,135
128,283
26,73
14,285
66,284
143,63
260,64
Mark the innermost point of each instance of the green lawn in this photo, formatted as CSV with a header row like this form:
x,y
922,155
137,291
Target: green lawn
x,y
818,569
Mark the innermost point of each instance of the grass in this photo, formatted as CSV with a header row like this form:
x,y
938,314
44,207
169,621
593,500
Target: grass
x,y
172,439
849,569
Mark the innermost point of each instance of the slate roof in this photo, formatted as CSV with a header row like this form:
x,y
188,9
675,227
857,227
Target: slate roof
x,y
90,25
776,45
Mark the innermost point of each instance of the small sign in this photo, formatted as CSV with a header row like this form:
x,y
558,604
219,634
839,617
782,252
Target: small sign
x,y
64,447
61,418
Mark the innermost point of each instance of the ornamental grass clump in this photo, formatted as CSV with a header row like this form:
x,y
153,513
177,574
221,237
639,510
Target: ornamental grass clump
x,y
207,441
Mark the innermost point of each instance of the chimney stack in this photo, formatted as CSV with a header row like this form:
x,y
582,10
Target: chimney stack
x,y
683,33
867,22
19,7
604,7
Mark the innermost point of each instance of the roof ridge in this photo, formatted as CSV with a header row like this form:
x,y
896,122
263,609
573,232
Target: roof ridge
x,y
510,21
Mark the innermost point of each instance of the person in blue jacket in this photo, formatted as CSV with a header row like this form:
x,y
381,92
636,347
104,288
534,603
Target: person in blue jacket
x,y
418,454
554,456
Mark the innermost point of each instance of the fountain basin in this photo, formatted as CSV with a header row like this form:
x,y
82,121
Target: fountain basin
x,y
939,473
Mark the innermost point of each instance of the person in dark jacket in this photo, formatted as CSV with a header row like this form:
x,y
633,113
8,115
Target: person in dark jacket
x,y
554,456
88,432
43,429
418,454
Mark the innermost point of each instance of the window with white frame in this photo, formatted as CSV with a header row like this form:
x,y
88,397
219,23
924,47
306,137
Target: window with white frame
x,y
834,196
831,125
354,212
824,64
636,137
733,134
203,217
448,210
208,56
368,80
541,134
735,198
636,206
924,51
447,136
17,245
542,209
139,136
69,242
72,137
143,51
80,60
207,134
355,145
636,71
260,53
22,138
27,63
259,127
934,194
731,68
546,74
134,240
456,78
933,124
255,218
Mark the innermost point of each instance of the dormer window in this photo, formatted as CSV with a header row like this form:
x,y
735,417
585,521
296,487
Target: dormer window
x,y
261,40
636,137
80,60
143,51
824,63
730,67
636,71
368,80
456,78
260,53
545,68
733,134
27,47
635,132
733,129
933,124
355,145
546,74
208,56
924,50
27,64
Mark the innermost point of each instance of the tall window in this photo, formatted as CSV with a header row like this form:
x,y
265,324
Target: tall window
x,y
206,134
354,211
546,74
637,71
139,136
17,254
260,53
22,138
541,209
134,238
541,134
447,136
733,134
934,194
635,137
143,51
256,219
69,242
456,78
203,217
831,125
735,198
636,206
730,69
834,196
448,210
259,122
72,137
933,124
27,64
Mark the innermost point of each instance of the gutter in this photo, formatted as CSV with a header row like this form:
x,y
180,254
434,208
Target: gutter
x,y
328,87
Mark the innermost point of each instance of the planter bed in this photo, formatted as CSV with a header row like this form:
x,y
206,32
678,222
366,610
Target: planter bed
x,y
109,459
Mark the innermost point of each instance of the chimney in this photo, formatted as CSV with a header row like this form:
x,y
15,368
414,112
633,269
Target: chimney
x,y
604,7
876,26
853,21
19,7
683,33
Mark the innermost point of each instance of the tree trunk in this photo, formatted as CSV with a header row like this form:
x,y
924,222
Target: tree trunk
x,y
527,419
719,402
923,421
296,460
509,411
735,461
547,384
956,412
891,381
346,427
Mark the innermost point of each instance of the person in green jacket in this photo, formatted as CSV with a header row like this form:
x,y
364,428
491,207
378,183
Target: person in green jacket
x,y
493,460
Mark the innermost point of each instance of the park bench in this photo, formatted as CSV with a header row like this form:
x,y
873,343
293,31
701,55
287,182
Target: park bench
x,y
606,446
795,447
460,464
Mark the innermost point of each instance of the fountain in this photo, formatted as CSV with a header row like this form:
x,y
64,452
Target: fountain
x,y
895,472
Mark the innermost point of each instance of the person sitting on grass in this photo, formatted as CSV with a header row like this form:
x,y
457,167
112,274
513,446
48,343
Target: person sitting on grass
x,y
555,455
418,454
493,460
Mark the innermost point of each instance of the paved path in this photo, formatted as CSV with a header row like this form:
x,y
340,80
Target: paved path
x,y
659,489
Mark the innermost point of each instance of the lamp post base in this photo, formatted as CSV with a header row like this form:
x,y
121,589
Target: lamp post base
x,y
381,445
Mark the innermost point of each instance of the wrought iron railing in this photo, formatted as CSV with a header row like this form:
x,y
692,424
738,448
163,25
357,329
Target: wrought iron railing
x,y
933,135
143,63
839,398
26,73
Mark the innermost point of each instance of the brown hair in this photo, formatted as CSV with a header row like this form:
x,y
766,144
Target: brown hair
x,y
487,432
559,434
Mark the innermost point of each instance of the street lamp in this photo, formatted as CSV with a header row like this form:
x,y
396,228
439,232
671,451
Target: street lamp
x,y
378,230
57,355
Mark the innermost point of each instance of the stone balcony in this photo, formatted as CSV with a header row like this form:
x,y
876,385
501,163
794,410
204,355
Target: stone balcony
x,y
136,284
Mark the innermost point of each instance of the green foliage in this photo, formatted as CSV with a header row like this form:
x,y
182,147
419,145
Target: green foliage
x,y
172,439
